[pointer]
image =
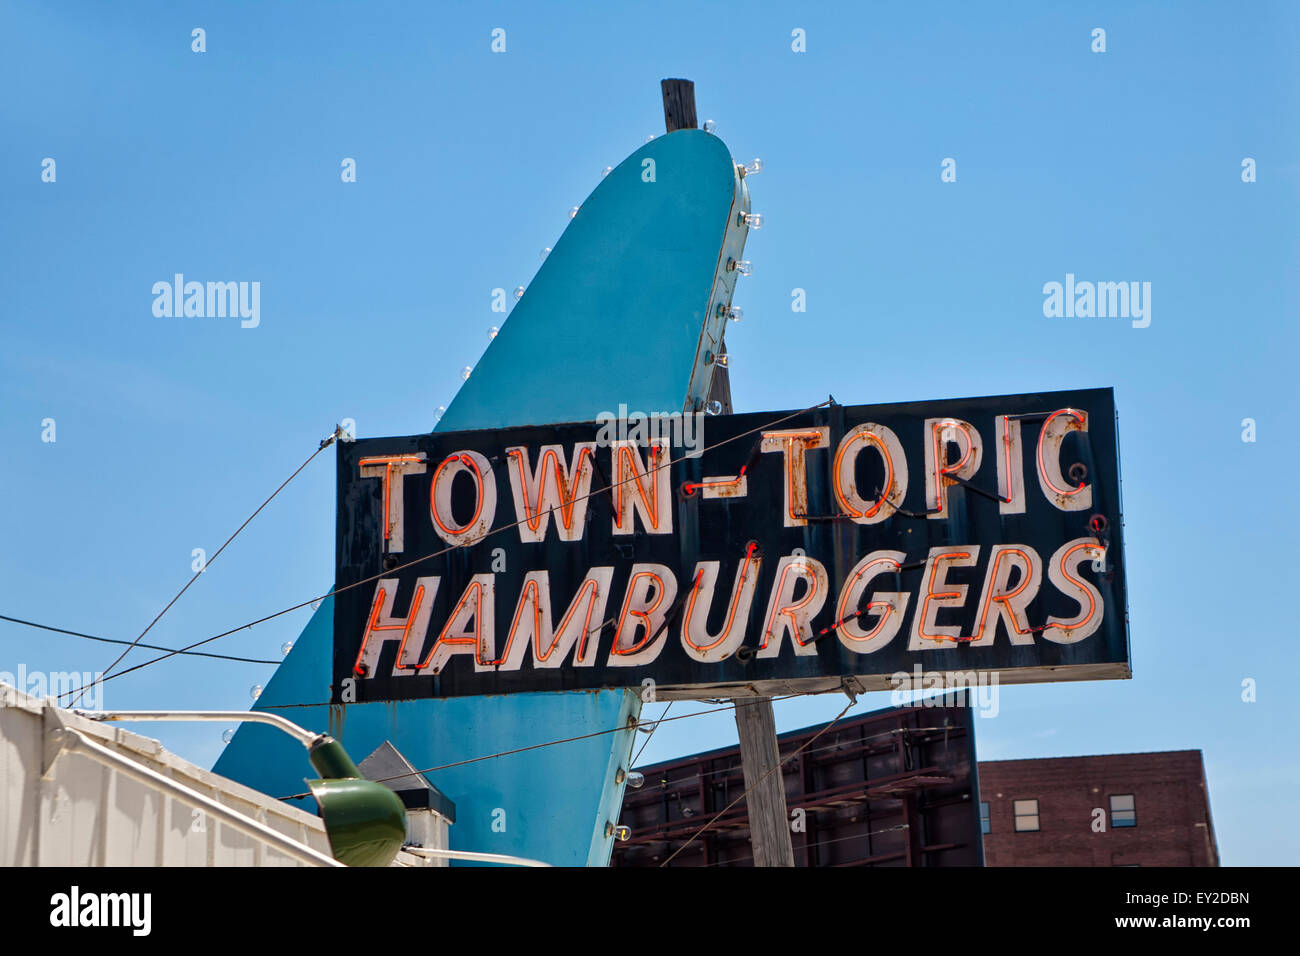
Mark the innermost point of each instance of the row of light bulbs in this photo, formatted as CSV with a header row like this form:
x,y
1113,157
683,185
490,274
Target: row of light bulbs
x,y
255,692
636,780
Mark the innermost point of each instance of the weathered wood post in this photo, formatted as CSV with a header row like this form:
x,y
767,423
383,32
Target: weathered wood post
x,y
769,824
679,104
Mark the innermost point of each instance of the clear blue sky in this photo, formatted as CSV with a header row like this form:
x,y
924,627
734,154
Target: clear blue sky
x,y
1123,165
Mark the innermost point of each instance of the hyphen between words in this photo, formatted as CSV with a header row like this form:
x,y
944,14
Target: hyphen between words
x,y
547,486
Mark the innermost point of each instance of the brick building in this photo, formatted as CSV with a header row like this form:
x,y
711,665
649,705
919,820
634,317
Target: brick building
x,y
1144,809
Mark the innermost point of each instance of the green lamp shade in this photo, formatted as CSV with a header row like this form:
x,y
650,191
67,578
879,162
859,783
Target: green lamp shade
x,y
365,821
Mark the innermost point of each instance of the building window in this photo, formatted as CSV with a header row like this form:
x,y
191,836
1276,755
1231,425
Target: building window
x,y
1026,815
1123,811
985,826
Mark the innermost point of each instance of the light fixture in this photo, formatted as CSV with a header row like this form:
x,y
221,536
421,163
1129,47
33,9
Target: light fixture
x,y
635,779
619,832
743,266
606,171
755,167
732,312
255,691
713,408
286,647
492,332
573,213
711,127
465,372
752,219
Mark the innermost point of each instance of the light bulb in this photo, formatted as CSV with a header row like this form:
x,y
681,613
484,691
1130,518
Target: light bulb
x,y
646,728
286,647
710,127
721,361
743,266
227,735
606,171
635,779
734,313
465,372
650,138
573,213
755,167
546,252
752,219
713,408
622,832
439,412
519,292
255,691
492,332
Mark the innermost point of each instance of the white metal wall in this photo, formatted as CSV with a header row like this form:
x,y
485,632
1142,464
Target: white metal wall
x,y
87,814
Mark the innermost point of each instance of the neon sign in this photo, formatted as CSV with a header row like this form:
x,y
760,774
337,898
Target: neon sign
x,y
779,553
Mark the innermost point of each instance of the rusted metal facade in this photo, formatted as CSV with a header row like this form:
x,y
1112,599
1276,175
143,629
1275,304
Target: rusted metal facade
x,y
889,788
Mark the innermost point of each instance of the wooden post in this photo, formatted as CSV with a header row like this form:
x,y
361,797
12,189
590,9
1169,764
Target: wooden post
x,y
679,104
769,824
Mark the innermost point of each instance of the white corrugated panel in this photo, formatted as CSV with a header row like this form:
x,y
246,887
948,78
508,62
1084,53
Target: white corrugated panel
x,y
89,814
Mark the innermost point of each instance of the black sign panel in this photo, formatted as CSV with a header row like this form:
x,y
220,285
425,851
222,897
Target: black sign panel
x,y
772,552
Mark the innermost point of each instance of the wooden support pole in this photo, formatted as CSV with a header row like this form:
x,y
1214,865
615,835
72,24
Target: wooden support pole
x,y
679,104
769,824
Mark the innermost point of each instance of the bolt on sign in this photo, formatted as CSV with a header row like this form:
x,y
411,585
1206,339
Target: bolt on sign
x,y
768,553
